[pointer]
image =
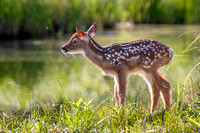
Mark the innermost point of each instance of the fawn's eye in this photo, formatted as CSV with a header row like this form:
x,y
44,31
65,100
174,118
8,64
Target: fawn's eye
x,y
74,42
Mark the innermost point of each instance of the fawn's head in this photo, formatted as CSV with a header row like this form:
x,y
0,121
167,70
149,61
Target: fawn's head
x,y
79,41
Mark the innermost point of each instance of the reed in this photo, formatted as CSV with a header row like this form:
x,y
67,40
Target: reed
x,y
38,18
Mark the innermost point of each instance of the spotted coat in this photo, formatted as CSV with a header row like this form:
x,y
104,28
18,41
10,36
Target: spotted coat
x,y
146,52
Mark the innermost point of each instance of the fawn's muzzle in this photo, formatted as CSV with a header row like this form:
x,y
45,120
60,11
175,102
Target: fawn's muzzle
x,y
63,48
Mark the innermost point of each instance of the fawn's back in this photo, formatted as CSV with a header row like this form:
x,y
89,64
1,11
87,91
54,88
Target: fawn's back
x,y
145,54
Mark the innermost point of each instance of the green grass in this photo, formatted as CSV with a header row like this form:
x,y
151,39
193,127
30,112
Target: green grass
x,y
82,116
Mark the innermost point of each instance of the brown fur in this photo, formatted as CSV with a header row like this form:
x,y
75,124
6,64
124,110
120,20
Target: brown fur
x,y
143,57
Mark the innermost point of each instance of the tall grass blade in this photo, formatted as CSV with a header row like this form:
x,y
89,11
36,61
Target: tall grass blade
x,y
197,123
187,49
190,73
178,95
69,122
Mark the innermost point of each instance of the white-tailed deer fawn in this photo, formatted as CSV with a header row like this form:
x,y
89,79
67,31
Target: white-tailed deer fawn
x,y
143,57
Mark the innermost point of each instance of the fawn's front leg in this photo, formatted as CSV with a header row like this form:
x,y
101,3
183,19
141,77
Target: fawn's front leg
x,y
120,94
116,93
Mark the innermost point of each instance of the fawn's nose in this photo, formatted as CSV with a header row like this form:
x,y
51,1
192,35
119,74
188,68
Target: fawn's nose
x,y
63,48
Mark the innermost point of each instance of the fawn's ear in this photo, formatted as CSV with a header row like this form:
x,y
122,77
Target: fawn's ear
x,y
92,30
81,34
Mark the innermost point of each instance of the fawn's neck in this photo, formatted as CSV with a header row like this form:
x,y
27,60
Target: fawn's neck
x,y
94,52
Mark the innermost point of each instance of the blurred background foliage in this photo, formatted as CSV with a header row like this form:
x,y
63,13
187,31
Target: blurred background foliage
x,y
39,18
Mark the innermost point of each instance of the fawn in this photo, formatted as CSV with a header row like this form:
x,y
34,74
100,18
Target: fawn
x,y
119,60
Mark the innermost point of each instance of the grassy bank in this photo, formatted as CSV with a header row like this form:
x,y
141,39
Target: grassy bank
x,y
83,116
89,116
36,18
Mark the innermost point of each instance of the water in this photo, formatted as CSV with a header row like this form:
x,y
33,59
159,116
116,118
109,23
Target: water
x,y
37,71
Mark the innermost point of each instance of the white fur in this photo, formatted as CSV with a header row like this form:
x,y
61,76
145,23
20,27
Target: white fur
x,y
100,57
170,53
78,51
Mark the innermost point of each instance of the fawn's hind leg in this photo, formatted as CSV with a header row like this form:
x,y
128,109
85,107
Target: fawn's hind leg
x,y
155,96
159,86
166,96
154,88
165,90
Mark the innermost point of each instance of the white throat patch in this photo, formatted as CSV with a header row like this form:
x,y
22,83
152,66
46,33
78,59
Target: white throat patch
x,y
79,51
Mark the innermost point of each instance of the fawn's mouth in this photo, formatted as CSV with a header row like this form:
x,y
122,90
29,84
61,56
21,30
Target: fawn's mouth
x,y
65,52
63,49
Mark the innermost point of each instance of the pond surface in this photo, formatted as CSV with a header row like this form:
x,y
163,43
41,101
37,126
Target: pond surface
x,y
37,69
